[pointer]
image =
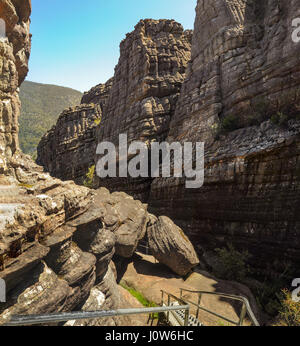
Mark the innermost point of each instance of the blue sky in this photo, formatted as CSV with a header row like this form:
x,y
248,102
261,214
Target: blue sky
x,y
75,43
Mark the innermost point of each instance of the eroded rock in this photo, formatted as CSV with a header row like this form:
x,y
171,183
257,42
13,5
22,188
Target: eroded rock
x,y
170,246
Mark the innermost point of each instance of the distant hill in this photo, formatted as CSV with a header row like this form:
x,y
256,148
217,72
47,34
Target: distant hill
x,y
41,106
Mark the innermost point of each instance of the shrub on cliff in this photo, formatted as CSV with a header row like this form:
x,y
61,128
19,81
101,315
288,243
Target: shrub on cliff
x,y
232,264
289,312
89,178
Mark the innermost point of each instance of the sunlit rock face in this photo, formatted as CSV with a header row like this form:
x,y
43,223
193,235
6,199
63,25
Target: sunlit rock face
x,y
244,65
242,54
43,268
14,55
239,68
67,151
146,86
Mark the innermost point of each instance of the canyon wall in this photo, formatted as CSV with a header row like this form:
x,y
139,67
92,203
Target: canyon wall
x,y
245,67
147,82
139,101
67,151
57,239
240,94
14,55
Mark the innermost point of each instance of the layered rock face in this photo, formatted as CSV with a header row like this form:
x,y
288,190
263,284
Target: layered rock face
x,y
138,101
146,86
98,94
44,269
242,54
67,150
244,69
14,55
244,62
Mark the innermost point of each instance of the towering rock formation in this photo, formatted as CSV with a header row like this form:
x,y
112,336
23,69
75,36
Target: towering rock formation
x,y
243,59
139,101
244,68
147,82
67,151
56,239
14,55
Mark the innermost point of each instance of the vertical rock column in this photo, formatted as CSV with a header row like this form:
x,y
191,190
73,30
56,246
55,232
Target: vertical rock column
x,y
14,55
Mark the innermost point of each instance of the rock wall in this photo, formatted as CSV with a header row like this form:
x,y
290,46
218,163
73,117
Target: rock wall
x,y
147,82
14,55
244,68
44,269
244,62
243,55
98,94
68,149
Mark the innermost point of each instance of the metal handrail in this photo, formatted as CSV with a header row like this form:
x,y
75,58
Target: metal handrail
x,y
179,300
85,315
246,308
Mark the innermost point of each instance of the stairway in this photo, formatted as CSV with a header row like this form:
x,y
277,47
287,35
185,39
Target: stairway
x,y
176,318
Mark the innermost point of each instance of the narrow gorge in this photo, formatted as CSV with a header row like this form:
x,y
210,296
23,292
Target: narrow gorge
x,y
232,83
236,88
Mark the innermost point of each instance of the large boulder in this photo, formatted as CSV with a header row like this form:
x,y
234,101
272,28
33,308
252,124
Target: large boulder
x,y
170,246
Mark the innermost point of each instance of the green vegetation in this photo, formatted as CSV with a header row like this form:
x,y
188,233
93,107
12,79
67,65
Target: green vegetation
x,y
27,186
97,121
232,264
289,312
139,296
230,123
89,180
280,119
226,125
279,110
41,107
269,294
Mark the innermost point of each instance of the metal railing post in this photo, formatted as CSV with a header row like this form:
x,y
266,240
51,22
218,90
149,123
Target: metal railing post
x,y
168,313
199,303
186,317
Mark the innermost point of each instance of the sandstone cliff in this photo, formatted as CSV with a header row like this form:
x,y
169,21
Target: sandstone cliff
x,y
57,239
67,151
14,55
244,67
240,94
44,269
140,101
147,83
